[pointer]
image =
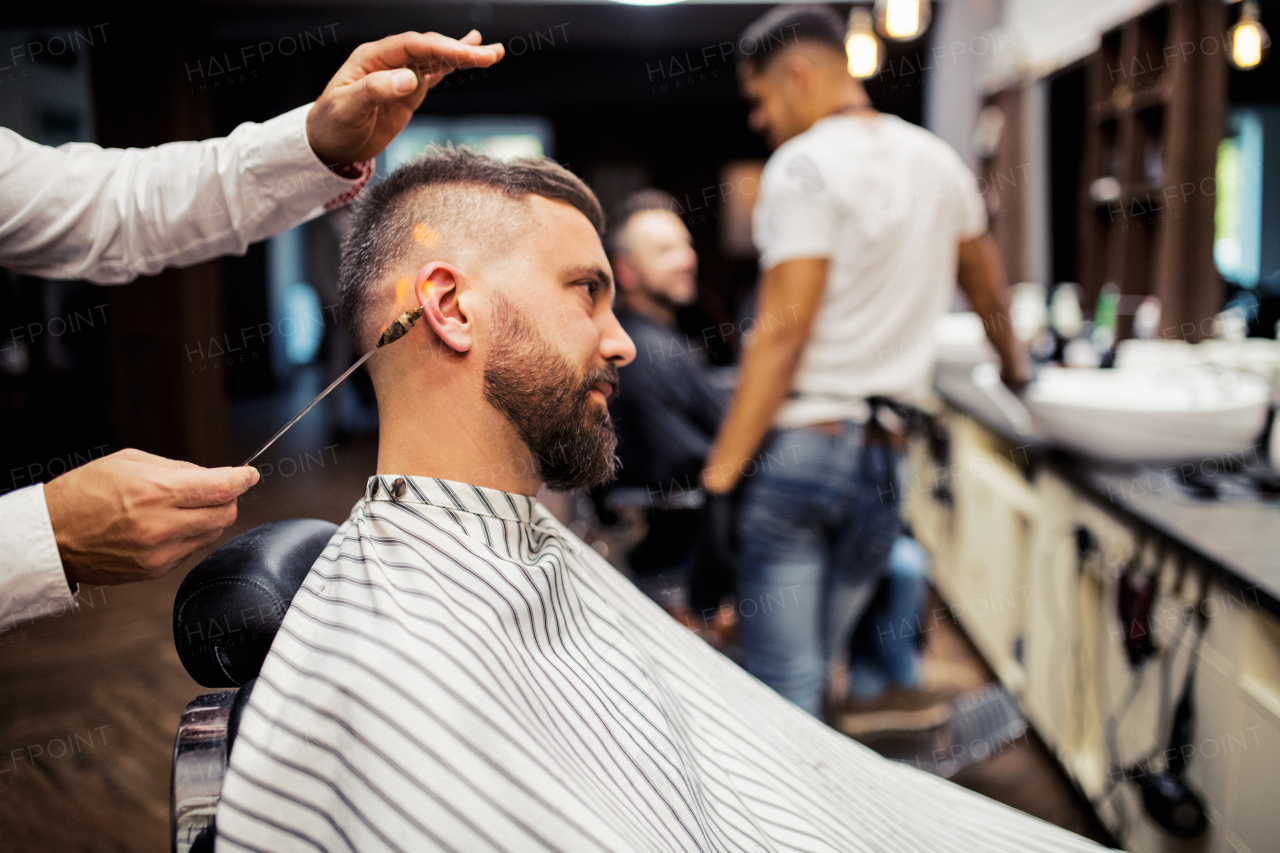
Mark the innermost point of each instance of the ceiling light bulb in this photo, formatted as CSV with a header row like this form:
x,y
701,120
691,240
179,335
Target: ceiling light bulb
x,y
1249,39
902,20
862,46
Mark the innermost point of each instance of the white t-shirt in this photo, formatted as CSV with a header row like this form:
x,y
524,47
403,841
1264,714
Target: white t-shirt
x,y
887,203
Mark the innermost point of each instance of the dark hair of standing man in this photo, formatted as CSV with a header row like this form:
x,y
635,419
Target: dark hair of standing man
x,y
784,26
447,198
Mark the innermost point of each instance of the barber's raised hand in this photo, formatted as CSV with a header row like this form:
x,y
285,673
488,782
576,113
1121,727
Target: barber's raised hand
x,y
132,516
376,90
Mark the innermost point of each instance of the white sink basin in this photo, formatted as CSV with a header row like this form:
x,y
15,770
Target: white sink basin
x,y
960,338
1149,414
1259,356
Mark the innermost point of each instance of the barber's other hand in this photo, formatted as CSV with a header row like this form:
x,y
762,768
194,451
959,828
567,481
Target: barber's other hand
x,y
720,527
375,92
1017,379
719,478
133,516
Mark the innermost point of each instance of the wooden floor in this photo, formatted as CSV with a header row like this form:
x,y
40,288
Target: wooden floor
x,y
1022,774
90,701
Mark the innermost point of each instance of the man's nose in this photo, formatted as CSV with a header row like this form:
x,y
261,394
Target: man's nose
x,y
615,344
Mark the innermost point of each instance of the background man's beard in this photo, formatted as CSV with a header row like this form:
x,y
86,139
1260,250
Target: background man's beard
x,y
665,300
550,405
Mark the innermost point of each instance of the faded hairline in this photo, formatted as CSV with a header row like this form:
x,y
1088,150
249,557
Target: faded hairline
x,y
805,48
450,202
621,241
788,26
642,201
457,223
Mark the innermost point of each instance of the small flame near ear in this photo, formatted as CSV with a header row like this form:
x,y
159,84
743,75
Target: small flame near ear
x,y
399,327
425,235
404,284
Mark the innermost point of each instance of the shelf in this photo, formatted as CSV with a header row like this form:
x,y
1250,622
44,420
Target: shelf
x,y
1142,99
1127,192
1150,96
1151,121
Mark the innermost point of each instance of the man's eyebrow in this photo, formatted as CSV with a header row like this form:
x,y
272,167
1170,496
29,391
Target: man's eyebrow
x,y
602,276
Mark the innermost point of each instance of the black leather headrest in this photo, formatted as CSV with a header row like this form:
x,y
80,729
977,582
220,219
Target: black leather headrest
x,y
230,606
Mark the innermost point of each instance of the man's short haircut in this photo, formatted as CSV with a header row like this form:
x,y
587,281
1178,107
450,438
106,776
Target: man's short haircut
x,y
449,198
784,26
639,202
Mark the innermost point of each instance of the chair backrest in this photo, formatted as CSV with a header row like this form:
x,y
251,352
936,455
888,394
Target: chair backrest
x,y
641,497
230,606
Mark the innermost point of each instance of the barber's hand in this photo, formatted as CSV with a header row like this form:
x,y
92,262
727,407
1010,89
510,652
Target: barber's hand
x,y
375,92
1017,379
719,478
1015,384
715,572
132,516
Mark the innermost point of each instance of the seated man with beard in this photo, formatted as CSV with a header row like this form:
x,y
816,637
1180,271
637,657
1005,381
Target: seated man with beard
x,y
459,671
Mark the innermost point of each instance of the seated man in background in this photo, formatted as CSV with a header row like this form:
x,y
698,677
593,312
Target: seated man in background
x,y
673,405
461,672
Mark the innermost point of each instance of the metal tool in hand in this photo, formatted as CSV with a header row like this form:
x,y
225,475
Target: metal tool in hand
x,y
394,332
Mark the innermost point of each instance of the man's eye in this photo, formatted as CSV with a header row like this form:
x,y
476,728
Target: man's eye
x,y
592,286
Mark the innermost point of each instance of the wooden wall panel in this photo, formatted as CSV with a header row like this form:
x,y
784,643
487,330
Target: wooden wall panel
x,y
1154,115
1004,182
164,400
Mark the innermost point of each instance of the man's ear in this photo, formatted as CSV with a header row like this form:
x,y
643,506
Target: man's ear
x,y
797,74
624,273
437,288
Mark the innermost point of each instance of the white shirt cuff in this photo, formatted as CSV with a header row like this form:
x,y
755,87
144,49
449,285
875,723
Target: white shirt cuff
x,y
281,154
32,580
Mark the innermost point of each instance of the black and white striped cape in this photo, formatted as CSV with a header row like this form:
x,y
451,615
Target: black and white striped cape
x,y
460,672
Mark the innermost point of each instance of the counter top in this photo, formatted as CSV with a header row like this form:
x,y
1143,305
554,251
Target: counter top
x,y
1238,538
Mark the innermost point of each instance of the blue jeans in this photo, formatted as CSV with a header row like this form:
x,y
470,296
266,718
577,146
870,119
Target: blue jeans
x,y
819,517
885,648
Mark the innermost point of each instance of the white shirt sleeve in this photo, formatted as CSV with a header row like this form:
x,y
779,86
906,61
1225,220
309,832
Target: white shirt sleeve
x,y
32,581
796,215
971,207
79,211
110,215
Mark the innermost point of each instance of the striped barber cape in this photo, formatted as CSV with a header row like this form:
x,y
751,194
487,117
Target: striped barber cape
x,y
460,672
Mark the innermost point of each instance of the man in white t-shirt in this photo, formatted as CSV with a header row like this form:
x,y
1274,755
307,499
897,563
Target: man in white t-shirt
x,y
864,225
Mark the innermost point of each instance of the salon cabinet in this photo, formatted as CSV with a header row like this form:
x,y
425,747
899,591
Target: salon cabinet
x,y
1029,557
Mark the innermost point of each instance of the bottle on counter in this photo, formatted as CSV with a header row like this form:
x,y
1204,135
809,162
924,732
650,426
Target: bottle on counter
x,y
1065,316
1105,314
1067,321
1030,314
1146,320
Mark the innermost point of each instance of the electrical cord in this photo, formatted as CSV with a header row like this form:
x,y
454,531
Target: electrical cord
x,y
1179,719
1166,799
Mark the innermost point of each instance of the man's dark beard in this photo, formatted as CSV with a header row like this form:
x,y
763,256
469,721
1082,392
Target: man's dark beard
x,y
550,405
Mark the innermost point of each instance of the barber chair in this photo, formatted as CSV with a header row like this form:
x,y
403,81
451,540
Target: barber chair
x,y
712,575
639,497
225,617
